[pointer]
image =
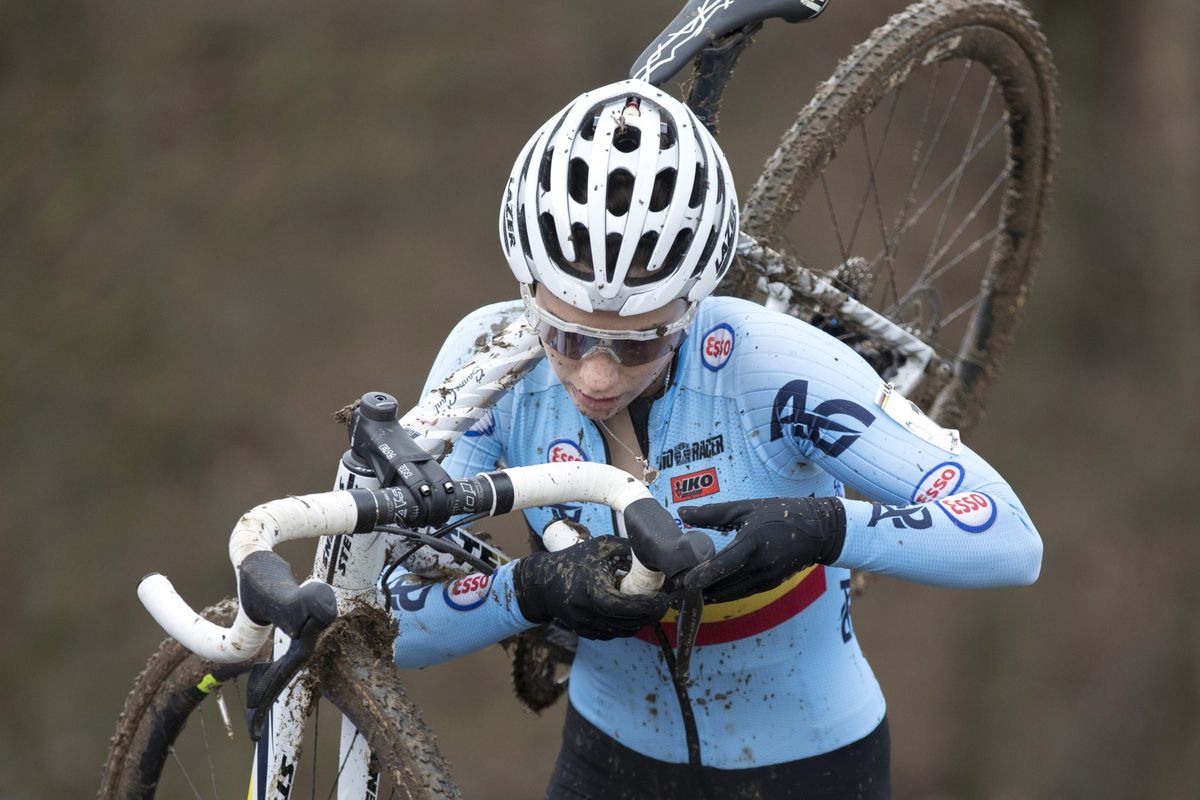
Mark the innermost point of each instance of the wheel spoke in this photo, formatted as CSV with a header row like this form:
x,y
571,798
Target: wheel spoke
x,y
833,216
342,767
937,237
971,248
872,162
212,771
186,776
965,307
974,212
920,212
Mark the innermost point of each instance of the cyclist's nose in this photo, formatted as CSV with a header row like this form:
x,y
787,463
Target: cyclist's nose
x,y
598,373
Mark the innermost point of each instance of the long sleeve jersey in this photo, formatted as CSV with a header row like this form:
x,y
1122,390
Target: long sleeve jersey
x,y
758,405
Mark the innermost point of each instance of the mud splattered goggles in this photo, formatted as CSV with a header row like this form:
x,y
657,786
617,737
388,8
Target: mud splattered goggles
x,y
629,348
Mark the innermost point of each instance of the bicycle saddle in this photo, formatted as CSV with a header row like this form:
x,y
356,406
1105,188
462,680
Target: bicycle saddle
x,y
702,21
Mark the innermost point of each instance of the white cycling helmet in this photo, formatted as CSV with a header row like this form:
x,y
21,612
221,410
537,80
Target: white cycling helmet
x,y
621,202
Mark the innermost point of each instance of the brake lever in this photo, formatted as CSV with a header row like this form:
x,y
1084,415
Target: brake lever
x,y
268,679
687,627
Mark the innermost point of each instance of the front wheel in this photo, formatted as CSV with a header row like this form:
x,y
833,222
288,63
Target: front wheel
x,y
173,740
917,179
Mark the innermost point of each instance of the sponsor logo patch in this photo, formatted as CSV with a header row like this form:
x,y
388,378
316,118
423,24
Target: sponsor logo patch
x,y
695,484
685,453
972,511
831,436
469,592
941,481
717,346
911,517
564,450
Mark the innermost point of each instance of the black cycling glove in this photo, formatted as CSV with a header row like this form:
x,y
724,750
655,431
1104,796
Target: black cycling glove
x,y
777,537
577,587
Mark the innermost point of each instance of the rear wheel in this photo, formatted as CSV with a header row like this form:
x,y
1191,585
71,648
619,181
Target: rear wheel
x,y
918,178
172,740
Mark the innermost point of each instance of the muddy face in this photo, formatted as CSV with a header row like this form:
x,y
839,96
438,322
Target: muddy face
x,y
598,385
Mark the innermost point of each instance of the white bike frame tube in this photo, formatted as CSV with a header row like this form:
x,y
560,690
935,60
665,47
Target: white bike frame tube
x,y
771,264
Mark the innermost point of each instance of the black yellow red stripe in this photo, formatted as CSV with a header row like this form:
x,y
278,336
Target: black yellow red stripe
x,y
749,616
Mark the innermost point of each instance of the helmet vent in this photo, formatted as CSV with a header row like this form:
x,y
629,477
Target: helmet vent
x,y
544,169
581,267
577,180
698,187
675,255
666,136
641,257
588,132
524,234
706,254
627,139
664,186
620,192
612,248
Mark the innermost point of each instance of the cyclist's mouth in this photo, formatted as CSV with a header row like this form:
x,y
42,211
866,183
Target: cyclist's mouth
x,y
595,406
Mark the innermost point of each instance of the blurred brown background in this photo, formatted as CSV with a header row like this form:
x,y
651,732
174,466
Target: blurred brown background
x,y
219,222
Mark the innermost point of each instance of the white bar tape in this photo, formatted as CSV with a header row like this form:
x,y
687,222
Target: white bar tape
x,y
225,645
311,515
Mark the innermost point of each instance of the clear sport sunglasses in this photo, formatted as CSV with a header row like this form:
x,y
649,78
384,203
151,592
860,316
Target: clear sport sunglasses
x,y
628,348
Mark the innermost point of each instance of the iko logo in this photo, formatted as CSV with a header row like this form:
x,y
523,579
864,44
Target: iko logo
x,y
942,480
791,410
469,592
564,450
912,517
974,512
716,347
694,485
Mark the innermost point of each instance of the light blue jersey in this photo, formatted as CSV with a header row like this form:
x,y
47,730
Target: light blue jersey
x,y
759,405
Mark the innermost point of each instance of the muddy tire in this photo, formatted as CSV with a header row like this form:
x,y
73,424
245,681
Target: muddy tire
x,y
353,672
796,200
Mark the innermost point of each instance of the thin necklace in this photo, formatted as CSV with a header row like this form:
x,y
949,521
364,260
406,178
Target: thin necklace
x,y
649,473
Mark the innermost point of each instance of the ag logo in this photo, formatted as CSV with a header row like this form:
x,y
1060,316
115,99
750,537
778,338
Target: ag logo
x,y
830,436
564,450
695,484
942,480
972,511
469,592
716,347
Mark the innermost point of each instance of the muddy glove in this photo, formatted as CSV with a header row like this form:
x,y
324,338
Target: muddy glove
x,y
577,587
776,538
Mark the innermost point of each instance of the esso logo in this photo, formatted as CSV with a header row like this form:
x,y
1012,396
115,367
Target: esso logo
x,y
941,481
971,511
564,450
717,346
469,592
